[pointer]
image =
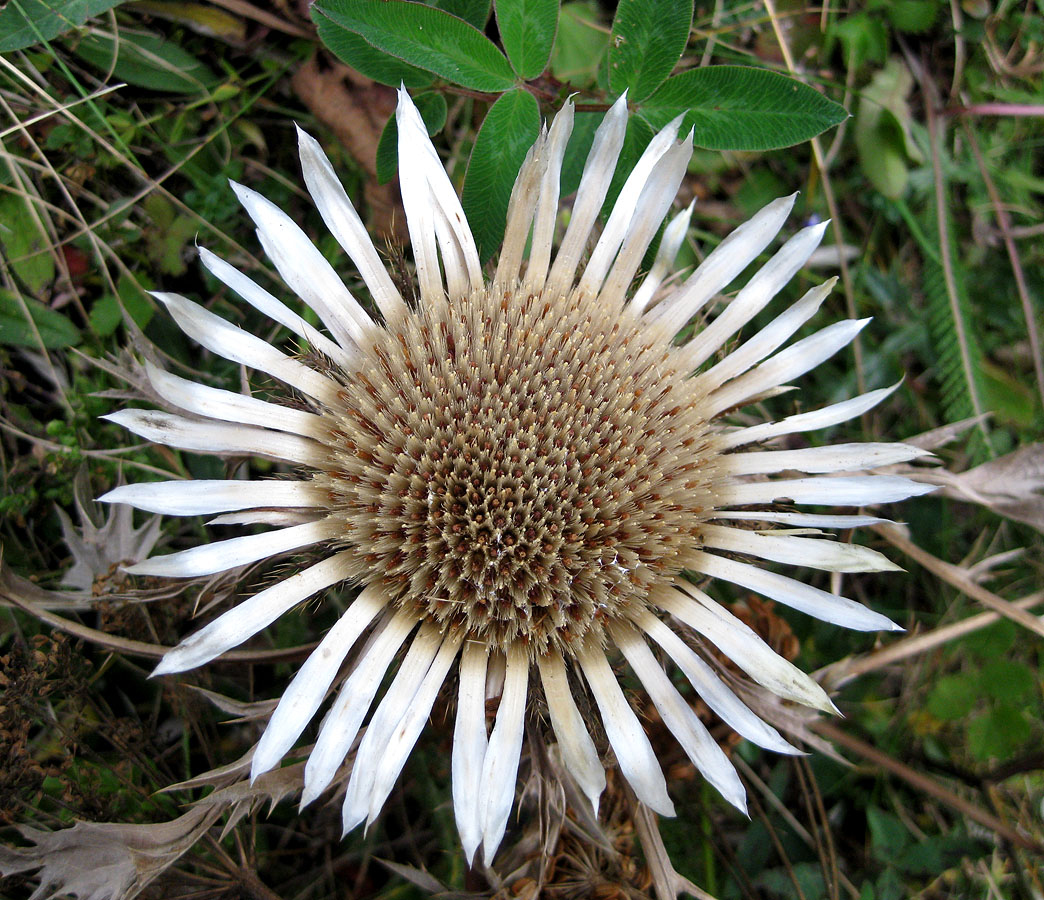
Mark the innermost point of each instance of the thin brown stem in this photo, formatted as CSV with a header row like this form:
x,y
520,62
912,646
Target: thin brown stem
x,y
926,785
1004,224
838,674
141,648
958,578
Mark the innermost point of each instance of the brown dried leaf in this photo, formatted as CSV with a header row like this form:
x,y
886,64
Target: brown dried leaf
x,y
795,721
244,712
245,796
102,861
424,880
937,437
1011,485
18,591
221,777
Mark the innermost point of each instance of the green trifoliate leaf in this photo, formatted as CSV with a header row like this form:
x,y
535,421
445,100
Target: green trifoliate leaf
x,y
648,39
424,37
742,108
373,63
475,12
527,30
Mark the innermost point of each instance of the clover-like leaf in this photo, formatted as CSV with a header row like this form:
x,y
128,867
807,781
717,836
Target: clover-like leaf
x,y
742,108
475,12
350,48
648,39
527,30
421,36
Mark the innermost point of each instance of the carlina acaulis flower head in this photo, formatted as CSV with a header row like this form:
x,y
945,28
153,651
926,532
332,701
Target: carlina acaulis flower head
x,y
516,470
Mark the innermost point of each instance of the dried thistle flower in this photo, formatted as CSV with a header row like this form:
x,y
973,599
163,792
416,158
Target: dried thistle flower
x,y
516,472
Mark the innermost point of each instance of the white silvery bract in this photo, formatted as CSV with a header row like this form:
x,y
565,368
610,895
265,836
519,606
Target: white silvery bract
x,y
516,470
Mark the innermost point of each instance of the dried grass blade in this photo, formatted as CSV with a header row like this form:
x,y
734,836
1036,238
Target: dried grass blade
x,y
958,578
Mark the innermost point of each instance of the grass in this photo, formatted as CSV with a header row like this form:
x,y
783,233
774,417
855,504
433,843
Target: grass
x,y
929,787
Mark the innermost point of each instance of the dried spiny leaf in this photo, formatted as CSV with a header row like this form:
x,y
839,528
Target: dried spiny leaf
x,y
1011,485
102,861
99,549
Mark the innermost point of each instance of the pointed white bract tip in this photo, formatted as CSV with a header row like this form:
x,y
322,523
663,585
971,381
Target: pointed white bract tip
x,y
307,146
675,123
915,451
351,820
308,795
173,302
241,191
664,808
738,798
405,103
595,800
819,229
814,697
263,760
112,496
469,847
166,665
141,568
619,108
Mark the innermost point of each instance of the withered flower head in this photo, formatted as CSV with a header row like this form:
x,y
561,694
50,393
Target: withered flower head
x,y
517,471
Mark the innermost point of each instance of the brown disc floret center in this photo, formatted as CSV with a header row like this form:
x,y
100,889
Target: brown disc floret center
x,y
524,466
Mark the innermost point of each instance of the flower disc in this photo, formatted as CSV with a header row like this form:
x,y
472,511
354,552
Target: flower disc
x,y
523,465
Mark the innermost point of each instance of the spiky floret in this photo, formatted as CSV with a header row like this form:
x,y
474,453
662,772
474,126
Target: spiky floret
x,y
516,472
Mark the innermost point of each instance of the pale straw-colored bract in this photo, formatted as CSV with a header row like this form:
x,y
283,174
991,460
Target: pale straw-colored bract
x,y
516,471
